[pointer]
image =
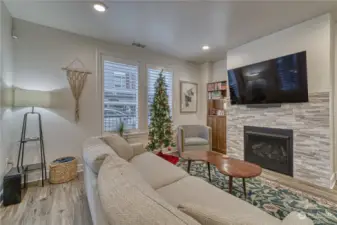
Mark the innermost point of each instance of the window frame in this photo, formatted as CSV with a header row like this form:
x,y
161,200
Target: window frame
x,y
157,67
104,57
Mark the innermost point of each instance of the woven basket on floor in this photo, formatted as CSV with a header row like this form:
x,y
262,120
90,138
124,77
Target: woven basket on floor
x,y
61,172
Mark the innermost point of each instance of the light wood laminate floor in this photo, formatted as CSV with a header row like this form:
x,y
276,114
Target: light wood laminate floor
x,y
61,204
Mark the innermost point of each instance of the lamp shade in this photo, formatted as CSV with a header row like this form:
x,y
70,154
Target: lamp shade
x,y
30,98
7,97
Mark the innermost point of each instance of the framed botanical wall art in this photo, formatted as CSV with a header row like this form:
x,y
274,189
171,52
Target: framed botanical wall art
x,y
188,97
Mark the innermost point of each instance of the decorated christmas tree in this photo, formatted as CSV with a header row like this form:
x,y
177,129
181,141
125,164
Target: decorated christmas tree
x,y
160,128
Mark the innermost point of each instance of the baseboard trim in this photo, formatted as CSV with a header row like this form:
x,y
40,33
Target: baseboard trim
x,y
333,180
300,185
36,175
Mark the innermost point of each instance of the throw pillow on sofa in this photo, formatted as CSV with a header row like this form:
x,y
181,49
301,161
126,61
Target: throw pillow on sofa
x,y
119,145
207,216
95,152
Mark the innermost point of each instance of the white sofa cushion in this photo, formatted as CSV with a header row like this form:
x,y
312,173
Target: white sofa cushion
x,y
94,153
196,191
138,148
156,171
296,218
195,141
119,145
127,199
208,216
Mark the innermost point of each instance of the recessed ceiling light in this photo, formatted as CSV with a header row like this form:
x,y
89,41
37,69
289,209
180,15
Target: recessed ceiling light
x,y
100,7
205,47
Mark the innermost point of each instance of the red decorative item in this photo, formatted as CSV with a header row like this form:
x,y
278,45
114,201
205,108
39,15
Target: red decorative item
x,y
169,148
172,159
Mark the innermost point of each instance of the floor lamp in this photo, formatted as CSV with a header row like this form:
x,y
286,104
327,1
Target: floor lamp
x,y
32,98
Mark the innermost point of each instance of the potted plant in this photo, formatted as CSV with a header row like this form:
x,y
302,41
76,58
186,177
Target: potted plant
x,y
121,128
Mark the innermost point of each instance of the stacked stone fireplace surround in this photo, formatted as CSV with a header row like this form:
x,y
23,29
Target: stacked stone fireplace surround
x,y
310,123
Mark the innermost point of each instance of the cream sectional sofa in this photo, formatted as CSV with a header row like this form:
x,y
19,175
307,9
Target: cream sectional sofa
x,y
138,187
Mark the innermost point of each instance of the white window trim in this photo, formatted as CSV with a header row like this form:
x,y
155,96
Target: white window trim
x,y
102,54
110,58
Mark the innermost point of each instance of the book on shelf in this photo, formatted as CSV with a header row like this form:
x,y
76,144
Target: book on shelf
x,y
216,112
218,86
215,95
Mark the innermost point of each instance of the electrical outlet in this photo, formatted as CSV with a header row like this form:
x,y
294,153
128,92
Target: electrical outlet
x,y
9,162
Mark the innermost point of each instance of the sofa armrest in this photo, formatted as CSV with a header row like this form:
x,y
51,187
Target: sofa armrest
x,y
297,218
206,133
94,153
138,148
180,139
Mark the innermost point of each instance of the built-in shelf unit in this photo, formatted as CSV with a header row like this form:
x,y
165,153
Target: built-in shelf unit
x,y
216,114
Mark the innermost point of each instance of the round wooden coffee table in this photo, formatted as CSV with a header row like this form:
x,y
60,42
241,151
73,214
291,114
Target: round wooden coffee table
x,y
226,165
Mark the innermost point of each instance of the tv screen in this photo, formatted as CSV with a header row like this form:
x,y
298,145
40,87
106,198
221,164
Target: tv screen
x,y
280,80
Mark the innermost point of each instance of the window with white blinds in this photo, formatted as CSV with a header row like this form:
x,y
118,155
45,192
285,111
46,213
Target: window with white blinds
x,y
152,76
120,95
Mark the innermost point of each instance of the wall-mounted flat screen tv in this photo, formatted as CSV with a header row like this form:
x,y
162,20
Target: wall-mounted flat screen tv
x,y
280,80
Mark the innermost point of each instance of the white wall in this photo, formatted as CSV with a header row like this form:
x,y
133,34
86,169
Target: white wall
x,y
6,68
40,53
312,36
335,94
219,71
206,77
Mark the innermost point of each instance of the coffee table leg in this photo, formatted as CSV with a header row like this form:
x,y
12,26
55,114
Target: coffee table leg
x,y
209,171
244,187
189,166
230,185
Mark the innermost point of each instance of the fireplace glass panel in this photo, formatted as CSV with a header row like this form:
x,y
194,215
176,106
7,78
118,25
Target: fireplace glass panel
x,y
270,148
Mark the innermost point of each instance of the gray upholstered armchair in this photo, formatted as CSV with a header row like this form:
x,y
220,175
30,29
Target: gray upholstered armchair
x,y
194,137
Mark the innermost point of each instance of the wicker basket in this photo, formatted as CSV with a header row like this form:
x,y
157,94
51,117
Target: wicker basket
x,y
61,172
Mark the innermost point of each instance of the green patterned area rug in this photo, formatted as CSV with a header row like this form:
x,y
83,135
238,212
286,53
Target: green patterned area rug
x,y
275,199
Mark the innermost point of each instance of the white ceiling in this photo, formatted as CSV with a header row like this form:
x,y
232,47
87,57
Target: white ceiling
x,y
174,28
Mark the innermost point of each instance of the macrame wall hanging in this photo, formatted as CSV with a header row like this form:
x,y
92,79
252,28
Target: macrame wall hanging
x,y
76,78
